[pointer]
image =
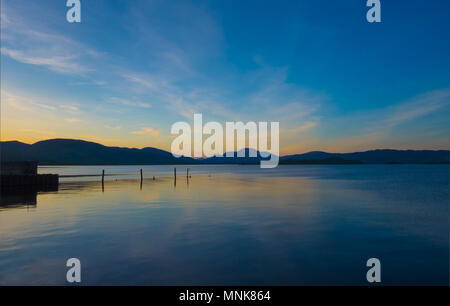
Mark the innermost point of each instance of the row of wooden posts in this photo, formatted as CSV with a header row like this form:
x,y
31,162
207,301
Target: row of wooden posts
x,y
142,175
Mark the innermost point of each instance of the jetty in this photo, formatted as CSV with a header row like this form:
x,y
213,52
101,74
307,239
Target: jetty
x,y
24,175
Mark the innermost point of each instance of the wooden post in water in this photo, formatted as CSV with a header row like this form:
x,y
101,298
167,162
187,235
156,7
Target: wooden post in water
x,y
174,177
187,172
103,180
142,177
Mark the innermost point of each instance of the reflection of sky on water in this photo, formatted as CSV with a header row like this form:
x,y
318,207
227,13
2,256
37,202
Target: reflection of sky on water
x,y
298,225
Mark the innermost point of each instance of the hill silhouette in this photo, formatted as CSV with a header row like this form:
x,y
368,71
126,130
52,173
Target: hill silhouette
x,y
80,152
378,156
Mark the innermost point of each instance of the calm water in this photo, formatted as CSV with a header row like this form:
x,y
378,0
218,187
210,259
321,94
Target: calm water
x,y
231,225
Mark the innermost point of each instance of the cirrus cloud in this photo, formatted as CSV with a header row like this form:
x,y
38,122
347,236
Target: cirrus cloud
x,y
146,131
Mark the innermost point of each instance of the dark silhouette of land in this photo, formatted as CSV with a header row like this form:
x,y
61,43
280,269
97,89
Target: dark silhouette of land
x,y
327,160
79,152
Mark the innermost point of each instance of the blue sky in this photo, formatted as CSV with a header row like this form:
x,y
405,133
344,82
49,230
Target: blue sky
x,y
131,69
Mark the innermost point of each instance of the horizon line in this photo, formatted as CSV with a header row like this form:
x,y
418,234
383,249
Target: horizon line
x,y
329,152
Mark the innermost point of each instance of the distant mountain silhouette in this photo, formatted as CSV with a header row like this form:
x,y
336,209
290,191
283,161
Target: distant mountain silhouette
x,y
326,160
378,156
80,152
235,160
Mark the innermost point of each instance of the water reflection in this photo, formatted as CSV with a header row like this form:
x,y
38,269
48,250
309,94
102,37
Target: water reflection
x,y
22,197
226,229
18,199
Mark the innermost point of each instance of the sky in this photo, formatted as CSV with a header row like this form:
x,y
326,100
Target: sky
x,y
131,69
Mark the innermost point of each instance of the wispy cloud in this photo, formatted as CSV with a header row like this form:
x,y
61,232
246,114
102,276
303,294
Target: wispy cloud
x,y
61,64
36,104
162,89
304,127
35,45
24,103
419,106
112,127
274,99
146,131
39,132
130,102
69,108
72,120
